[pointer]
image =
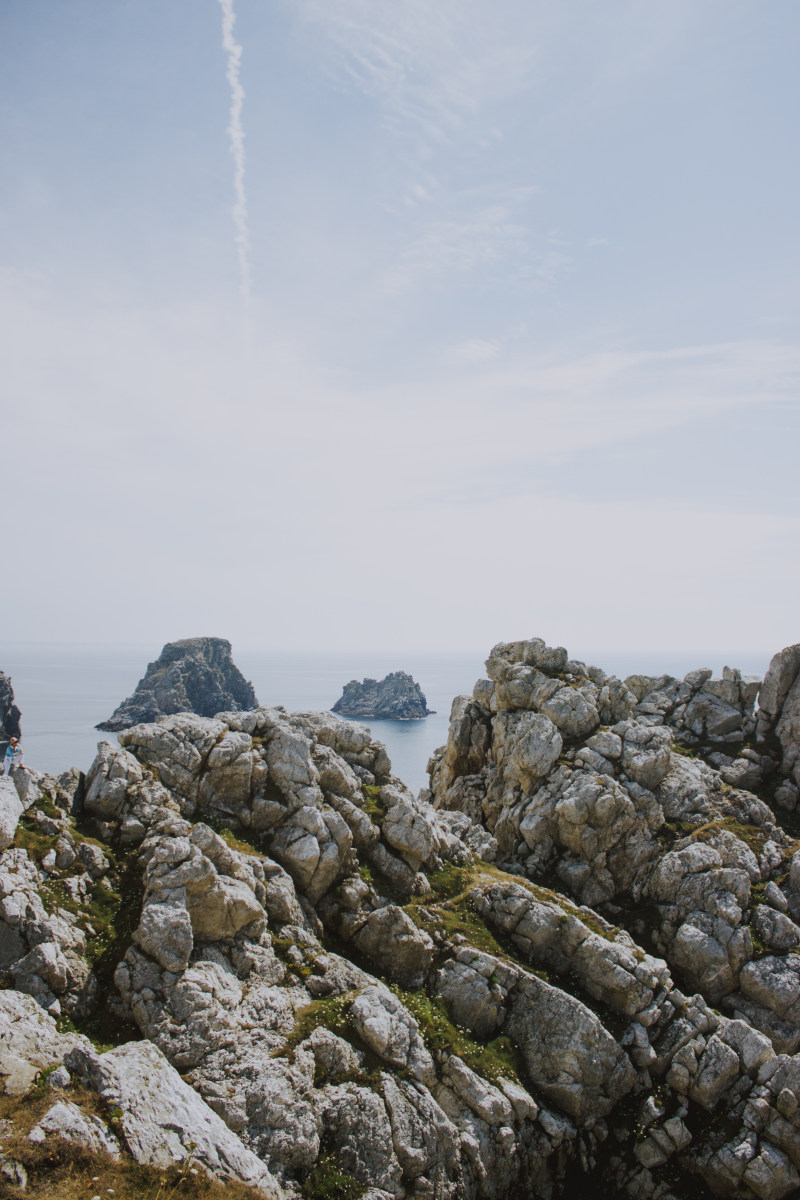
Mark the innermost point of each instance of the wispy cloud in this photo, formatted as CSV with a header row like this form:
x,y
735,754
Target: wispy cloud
x,y
430,66
480,229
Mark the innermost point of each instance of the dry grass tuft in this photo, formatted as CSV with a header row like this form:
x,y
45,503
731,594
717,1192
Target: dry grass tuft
x,y
57,1170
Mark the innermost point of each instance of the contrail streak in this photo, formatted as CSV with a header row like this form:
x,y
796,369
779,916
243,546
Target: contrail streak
x,y
236,134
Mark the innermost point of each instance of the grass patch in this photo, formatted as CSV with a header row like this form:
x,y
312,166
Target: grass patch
x,y
373,805
452,883
29,837
236,841
752,835
496,1059
330,1012
546,896
328,1181
57,1170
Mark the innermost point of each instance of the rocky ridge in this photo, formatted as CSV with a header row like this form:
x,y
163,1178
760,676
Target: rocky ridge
x,y
194,675
397,697
10,716
570,967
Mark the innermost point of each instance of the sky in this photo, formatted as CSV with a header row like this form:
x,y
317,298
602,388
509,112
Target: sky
x,y
500,341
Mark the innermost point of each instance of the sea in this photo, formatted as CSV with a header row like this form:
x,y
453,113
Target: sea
x,y
63,691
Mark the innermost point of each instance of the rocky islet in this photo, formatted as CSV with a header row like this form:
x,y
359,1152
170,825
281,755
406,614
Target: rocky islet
x,y
397,697
573,963
193,675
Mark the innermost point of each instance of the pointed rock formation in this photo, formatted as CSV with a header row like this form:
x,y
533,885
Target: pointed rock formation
x,y
194,675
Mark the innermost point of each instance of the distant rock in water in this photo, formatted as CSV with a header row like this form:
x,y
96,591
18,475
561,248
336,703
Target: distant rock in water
x,y
194,675
9,713
395,698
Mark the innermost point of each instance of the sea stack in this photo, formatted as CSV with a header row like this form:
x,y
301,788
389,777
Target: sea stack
x,y
395,698
194,675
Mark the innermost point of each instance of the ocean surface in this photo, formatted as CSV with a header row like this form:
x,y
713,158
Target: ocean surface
x,y
64,690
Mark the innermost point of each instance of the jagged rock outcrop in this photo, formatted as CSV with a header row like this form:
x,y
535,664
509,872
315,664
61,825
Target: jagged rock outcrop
x,y
396,698
778,723
576,970
194,675
10,716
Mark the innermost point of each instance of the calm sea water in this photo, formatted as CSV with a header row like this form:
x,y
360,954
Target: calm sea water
x,y
63,691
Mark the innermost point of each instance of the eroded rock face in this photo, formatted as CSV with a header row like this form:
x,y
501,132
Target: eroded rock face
x,y
10,716
194,675
163,1120
397,697
584,961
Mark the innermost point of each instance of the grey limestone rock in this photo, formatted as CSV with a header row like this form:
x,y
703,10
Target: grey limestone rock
x,y
194,675
397,697
576,1062
65,1120
163,1120
11,809
29,1042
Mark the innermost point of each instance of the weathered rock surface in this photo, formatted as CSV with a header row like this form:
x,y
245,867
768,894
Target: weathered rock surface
x,y
194,675
10,716
67,1121
573,964
163,1120
397,697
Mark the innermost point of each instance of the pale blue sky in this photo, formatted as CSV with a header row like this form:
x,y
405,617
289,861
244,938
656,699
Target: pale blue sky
x,y
521,355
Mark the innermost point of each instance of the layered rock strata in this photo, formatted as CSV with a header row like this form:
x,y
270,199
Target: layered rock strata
x,y
396,698
195,675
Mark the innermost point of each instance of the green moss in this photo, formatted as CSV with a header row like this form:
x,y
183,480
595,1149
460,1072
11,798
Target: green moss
x,y
760,948
546,896
497,1059
328,1181
373,805
462,920
752,835
331,1012
29,837
236,841
109,917
452,882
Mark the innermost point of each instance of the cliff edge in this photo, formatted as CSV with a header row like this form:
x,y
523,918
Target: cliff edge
x,y
9,713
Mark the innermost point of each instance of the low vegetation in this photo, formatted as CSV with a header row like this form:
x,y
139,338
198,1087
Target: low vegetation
x,y
58,1170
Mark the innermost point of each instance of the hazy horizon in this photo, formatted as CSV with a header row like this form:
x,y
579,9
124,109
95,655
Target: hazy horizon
x,y
369,323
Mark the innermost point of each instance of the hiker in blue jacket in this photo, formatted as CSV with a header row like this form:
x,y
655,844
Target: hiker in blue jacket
x,y
13,757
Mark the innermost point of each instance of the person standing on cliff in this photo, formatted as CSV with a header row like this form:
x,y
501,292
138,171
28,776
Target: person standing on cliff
x,y
13,757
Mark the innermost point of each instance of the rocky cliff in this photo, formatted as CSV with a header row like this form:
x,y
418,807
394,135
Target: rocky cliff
x,y
10,715
395,698
572,968
194,675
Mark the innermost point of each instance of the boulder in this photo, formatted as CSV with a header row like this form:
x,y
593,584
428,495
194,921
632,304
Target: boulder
x,y
66,1121
164,1121
29,1042
576,1062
